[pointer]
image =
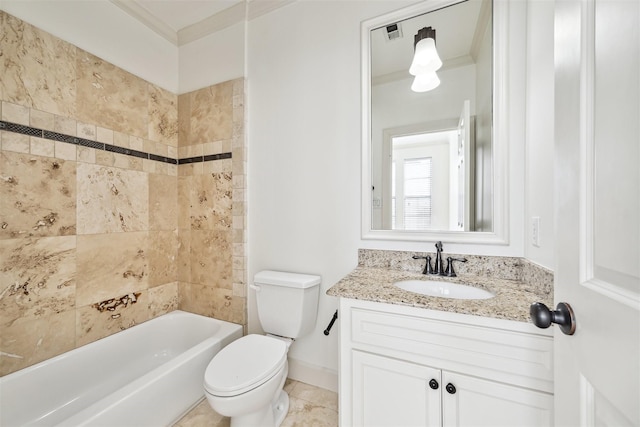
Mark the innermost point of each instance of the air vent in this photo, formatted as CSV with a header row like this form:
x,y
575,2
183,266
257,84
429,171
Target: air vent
x,y
394,32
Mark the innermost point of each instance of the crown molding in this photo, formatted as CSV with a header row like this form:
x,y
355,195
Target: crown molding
x,y
221,20
241,12
141,14
262,7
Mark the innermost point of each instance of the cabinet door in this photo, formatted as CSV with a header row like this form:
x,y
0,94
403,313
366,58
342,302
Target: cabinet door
x,y
480,402
391,392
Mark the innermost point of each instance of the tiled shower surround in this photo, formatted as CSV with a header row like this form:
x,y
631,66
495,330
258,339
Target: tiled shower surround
x,y
119,201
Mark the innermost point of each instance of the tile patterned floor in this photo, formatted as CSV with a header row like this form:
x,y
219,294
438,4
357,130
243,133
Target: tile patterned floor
x,y
308,406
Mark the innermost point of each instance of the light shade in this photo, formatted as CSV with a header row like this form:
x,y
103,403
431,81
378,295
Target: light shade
x,y
425,82
425,58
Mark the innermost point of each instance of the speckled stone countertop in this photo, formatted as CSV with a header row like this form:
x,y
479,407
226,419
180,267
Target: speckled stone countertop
x,y
513,296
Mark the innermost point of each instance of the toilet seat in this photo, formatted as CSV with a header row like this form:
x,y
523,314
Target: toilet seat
x,y
244,365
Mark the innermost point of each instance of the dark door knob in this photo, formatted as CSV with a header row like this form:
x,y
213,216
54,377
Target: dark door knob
x,y
434,384
451,389
563,316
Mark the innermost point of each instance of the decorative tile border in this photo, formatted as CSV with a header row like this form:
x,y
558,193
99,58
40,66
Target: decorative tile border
x,y
206,158
55,136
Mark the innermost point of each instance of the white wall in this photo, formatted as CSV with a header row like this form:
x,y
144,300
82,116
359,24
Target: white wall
x,y
303,69
216,58
540,131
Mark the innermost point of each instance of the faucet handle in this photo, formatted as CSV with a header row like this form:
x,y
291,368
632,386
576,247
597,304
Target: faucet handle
x,y
427,268
449,272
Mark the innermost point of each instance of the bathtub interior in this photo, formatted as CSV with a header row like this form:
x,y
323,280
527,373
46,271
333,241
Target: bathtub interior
x,y
54,390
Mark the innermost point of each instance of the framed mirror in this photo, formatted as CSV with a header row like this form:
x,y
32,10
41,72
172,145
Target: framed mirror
x,y
434,159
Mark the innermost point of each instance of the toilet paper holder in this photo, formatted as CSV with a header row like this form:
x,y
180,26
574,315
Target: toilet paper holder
x,y
333,319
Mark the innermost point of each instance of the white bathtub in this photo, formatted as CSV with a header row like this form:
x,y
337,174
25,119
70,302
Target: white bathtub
x,y
148,375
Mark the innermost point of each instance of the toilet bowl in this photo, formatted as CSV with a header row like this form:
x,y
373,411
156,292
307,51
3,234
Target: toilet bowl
x,y
245,381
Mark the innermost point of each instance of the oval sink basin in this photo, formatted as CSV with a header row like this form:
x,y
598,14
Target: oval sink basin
x,y
436,288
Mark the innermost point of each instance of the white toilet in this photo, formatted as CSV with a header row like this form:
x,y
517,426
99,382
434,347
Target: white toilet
x,y
245,379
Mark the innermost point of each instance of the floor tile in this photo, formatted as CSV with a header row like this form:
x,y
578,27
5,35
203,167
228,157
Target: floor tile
x,y
203,415
317,395
308,406
303,413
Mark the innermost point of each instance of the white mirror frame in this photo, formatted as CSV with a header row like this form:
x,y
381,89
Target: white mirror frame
x,y
501,130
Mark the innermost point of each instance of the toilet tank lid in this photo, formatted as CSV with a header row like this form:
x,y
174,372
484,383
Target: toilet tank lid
x,y
282,278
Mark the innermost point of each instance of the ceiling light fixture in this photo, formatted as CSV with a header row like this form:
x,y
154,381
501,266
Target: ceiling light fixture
x,y
426,61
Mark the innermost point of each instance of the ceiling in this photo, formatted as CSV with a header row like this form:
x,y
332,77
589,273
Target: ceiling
x,y
183,21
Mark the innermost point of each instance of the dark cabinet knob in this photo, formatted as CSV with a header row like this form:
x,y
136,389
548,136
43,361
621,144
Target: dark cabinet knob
x,y
451,389
563,316
434,384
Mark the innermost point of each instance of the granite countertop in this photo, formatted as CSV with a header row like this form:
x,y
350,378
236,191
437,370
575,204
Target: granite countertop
x,y
512,300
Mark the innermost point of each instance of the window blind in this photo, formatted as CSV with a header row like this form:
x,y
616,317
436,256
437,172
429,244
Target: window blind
x,y
417,193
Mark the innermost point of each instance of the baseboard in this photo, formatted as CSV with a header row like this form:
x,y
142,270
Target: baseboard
x,y
314,375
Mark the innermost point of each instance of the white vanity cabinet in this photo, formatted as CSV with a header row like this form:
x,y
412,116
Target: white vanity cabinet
x,y
405,366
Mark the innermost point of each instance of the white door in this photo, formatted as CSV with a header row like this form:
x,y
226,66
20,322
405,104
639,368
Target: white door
x,y
597,377
470,401
391,393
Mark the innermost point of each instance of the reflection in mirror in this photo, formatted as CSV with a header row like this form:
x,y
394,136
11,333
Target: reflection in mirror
x,y
431,151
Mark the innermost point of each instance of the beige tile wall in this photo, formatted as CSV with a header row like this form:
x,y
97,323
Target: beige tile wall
x,y
92,242
211,203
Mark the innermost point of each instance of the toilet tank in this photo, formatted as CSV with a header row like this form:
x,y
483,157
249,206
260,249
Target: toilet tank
x,y
287,302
